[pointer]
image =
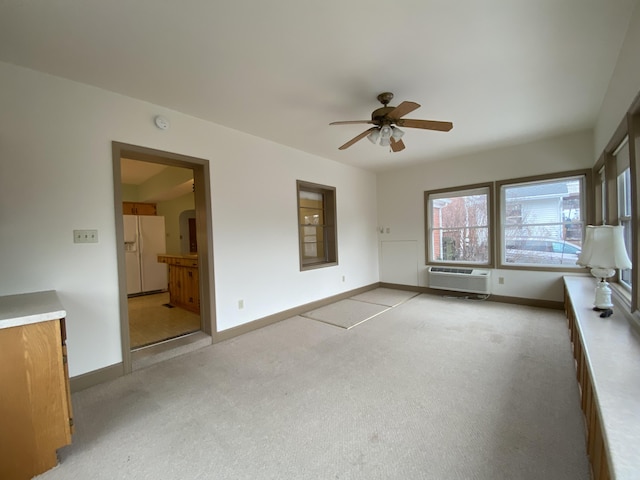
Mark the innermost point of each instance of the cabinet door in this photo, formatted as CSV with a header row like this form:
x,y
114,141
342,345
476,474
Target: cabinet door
x,y
34,399
192,293
134,208
174,285
146,209
128,208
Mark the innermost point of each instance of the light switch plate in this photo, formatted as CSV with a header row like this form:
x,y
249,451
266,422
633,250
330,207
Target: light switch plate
x,y
85,236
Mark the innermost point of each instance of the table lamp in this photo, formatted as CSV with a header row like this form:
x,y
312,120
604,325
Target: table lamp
x,y
604,251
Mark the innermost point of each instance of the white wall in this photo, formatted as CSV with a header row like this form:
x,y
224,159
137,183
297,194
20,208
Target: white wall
x,y
56,176
623,87
401,200
171,211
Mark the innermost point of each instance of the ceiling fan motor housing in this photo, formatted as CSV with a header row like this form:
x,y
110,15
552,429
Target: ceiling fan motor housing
x,y
378,116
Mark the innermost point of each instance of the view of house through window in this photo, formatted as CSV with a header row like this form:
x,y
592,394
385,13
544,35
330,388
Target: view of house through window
x,y
542,221
316,225
458,226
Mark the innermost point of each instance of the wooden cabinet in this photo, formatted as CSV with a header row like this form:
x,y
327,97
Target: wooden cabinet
x,y
134,208
607,361
35,401
184,284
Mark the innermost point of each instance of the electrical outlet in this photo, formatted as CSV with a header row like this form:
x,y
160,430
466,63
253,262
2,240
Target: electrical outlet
x,y
240,304
343,278
85,236
501,280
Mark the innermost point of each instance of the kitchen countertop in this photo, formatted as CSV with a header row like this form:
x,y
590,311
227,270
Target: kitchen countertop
x,y
26,308
187,256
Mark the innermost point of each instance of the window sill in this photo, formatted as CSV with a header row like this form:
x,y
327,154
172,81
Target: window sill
x,y
621,297
541,268
314,266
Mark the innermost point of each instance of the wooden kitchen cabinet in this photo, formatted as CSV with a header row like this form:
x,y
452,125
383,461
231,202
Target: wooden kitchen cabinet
x,y
35,400
184,284
135,208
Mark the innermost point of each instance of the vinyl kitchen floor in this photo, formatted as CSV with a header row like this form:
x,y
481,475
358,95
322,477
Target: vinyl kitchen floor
x,y
150,321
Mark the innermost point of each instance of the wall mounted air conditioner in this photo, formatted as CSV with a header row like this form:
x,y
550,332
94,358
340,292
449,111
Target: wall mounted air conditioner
x,y
471,280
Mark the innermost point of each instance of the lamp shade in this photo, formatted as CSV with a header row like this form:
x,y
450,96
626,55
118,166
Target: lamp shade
x,y
397,133
374,136
385,131
604,248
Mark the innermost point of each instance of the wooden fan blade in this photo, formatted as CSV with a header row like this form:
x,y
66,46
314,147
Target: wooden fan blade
x,y
350,122
396,145
356,138
402,109
425,124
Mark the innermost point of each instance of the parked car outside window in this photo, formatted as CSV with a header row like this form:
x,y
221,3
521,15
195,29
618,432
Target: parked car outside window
x,y
541,251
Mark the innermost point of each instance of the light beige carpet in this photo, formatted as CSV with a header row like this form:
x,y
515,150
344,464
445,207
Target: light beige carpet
x,y
353,311
432,389
346,313
385,296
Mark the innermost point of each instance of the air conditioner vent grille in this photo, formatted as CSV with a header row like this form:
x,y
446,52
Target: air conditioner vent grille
x,y
466,271
471,280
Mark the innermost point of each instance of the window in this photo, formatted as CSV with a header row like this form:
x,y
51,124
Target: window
x,y
458,225
624,219
317,225
541,221
601,197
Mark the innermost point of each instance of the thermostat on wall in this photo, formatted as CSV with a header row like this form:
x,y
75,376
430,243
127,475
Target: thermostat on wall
x,y
161,122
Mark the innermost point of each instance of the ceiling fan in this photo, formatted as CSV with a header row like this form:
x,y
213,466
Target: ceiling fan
x,y
387,120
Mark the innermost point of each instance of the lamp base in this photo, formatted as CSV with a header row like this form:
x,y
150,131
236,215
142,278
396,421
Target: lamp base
x,y
603,295
603,299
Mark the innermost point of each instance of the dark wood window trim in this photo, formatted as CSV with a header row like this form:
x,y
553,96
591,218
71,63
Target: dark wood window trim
x,y
634,151
490,214
588,204
317,226
629,126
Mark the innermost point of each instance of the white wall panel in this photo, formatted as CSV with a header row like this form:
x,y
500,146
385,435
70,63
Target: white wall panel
x,y
399,262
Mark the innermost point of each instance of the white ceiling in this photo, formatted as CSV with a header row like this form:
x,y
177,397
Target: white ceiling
x,y
503,71
134,172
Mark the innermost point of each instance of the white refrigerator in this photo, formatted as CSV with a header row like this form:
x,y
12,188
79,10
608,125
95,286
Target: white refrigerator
x,y
144,240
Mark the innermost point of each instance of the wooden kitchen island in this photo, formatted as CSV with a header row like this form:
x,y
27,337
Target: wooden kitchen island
x,y
184,284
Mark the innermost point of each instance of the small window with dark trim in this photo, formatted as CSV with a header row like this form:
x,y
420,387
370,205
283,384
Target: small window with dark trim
x,y
317,225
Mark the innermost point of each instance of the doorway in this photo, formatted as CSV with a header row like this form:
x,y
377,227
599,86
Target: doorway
x,y
150,323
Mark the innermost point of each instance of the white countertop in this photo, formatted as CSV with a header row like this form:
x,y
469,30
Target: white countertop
x,y
26,308
612,351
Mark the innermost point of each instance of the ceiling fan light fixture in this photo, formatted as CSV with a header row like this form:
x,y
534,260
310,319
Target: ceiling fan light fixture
x,y
397,133
385,133
374,136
